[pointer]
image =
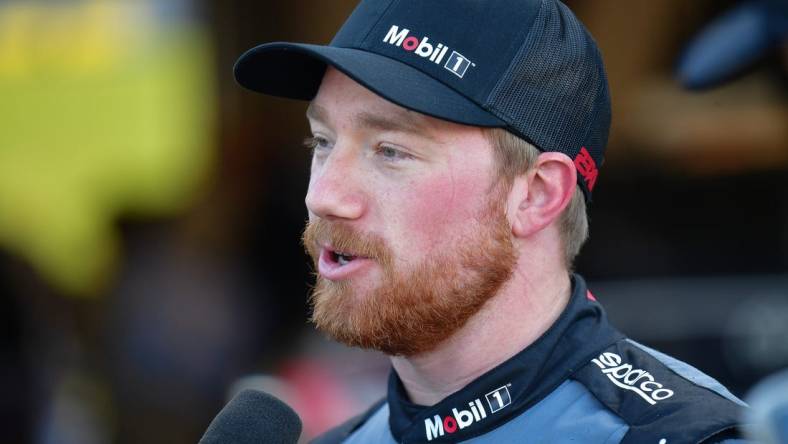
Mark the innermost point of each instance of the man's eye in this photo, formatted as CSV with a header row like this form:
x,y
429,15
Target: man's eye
x,y
391,153
316,143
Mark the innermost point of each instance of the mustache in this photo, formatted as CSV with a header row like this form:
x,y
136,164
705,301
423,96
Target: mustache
x,y
342,237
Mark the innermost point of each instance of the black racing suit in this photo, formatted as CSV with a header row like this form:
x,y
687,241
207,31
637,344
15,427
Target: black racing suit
x,y
582,381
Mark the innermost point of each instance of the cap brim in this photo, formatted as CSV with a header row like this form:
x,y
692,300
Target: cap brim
x,y
295,70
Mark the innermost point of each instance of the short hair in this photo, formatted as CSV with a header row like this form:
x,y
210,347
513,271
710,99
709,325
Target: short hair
x,y
515,156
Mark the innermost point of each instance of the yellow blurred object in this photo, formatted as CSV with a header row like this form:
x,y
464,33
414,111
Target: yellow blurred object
x,y
103,113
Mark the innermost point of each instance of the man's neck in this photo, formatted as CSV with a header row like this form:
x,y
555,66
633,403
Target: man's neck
x,y
510,321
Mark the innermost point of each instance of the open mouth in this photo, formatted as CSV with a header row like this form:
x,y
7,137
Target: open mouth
x,y
340,265
342,258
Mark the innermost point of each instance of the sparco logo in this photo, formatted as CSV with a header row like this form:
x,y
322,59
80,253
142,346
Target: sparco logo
x,y
629,378
460,419
456,62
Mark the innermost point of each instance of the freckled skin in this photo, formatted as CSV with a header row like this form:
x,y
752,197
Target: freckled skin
x,y
442,204
417,204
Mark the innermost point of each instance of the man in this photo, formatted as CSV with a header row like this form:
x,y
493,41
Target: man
x,y
455,144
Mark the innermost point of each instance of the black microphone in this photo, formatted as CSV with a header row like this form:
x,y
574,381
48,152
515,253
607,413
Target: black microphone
x,y
254,417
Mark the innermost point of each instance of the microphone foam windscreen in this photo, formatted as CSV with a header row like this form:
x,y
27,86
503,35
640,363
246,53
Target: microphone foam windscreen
x,y
254,417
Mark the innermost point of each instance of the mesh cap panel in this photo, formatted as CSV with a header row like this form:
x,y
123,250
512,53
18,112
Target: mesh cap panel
x,y
555,91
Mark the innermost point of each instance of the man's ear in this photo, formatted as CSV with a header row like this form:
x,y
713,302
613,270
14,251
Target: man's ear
x,y
539,196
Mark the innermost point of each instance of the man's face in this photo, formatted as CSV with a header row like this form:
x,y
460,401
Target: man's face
x,y
407,225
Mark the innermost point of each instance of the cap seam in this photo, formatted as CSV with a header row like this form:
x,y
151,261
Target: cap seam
x,y
486,102
363,41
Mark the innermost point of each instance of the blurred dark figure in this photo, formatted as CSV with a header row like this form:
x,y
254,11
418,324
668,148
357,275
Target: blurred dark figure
x,y
732,43
15,386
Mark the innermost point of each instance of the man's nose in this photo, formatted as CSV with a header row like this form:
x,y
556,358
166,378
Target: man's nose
x,y
335,190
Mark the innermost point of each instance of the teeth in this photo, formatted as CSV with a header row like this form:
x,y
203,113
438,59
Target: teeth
x,y
342,257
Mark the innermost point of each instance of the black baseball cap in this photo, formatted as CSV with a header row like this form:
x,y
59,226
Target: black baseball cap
x,y
528,66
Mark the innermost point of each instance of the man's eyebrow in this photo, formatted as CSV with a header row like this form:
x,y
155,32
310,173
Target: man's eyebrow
x,y
316,112
401,122
405,122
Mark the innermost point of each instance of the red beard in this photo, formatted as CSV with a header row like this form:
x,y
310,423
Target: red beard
x,y
412,310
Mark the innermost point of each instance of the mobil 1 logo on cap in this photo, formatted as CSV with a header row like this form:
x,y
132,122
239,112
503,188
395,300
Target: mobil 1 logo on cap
x,y
456,63
498,398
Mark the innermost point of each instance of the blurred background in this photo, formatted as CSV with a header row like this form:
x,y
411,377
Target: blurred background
x,y
150,210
